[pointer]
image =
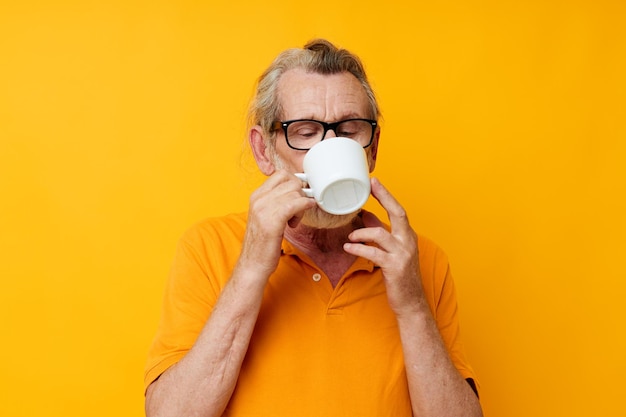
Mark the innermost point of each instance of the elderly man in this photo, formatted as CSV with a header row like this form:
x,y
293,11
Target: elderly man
x,y
290,311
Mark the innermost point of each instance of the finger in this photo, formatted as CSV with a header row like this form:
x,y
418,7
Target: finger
x,y
375,231
374,254
378,236
296,204
385,198
397,215
307,203
278,186
280,197
282,178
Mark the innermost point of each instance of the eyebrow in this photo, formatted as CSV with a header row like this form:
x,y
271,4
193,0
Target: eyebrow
x,y
344,116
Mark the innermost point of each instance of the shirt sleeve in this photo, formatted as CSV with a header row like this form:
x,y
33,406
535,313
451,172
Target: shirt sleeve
x,y
440,289
188,301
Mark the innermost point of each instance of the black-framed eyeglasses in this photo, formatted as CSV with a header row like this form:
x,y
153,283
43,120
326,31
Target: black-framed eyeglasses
x,y
302,134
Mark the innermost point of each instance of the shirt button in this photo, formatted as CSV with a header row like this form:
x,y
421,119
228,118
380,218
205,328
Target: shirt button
x,y
317,277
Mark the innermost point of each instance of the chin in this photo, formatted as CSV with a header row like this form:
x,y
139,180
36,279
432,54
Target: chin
x,y
319,219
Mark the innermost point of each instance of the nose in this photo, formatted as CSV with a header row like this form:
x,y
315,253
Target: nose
x,y
328,133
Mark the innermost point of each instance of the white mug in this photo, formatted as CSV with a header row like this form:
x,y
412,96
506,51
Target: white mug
x,y
337,173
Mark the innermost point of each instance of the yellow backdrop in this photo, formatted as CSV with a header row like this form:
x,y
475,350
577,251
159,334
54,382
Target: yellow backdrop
x,y
121,124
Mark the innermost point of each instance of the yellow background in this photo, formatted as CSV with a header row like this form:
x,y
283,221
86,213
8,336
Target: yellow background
x,y
122,123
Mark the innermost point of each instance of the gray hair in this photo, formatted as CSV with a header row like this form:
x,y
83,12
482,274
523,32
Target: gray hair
x,y
317,56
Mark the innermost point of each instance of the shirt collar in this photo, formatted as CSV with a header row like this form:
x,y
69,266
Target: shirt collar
x,y
287,249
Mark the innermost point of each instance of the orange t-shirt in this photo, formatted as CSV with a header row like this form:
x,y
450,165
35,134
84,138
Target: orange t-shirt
x,y
316,350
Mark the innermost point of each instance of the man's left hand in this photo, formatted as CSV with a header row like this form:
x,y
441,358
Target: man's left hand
x,y
395,251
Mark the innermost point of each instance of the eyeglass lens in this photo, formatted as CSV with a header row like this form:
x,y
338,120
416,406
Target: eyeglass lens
x,y
304,134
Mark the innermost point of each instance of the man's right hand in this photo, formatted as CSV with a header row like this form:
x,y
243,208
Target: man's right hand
x,y
279,201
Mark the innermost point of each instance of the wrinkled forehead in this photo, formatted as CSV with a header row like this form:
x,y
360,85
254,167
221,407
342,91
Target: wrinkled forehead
x,y
326,97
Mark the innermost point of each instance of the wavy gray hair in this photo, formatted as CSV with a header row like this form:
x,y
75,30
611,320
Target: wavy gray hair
x,y
317,56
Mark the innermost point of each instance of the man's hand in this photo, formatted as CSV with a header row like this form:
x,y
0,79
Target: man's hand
x,y
395,251
277,202
202,382
435,390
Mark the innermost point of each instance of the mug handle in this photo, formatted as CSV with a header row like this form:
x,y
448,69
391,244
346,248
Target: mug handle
x,y
302,177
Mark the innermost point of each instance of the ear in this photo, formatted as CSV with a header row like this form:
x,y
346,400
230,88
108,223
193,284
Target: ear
x,y
260,150
373,150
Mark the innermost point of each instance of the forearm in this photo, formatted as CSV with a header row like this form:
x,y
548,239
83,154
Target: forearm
x,y
435,385
202,382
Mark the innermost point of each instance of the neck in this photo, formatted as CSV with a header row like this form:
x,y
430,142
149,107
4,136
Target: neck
x,y
322,241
